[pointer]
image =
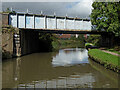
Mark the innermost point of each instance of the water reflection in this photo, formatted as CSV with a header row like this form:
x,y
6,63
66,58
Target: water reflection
x,y
40,70
71,56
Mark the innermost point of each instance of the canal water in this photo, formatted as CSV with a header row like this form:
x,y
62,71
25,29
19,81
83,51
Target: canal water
x,y
67,68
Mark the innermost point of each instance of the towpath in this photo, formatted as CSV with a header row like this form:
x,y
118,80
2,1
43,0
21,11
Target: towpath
x,y
116,54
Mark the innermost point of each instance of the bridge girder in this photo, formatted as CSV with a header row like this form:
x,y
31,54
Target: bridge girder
x,y
66,31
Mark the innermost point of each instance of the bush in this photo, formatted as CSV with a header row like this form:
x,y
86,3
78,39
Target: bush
x,y
94,39
88,44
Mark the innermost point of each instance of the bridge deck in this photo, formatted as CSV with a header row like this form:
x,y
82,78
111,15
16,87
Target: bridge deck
x,y
65,31
48,22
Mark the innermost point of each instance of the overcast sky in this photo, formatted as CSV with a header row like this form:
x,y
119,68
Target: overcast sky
x,y
79,8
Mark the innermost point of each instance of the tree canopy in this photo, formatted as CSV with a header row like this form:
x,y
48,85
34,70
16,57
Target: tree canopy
x,y
106,16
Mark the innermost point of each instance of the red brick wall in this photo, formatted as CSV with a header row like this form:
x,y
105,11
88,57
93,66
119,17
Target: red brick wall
x,y
65,36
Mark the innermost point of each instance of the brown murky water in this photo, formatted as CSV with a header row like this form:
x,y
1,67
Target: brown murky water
x,y
68,68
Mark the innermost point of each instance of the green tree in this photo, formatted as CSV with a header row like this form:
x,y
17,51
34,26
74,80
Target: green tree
x,y
106,16
9,11
94,39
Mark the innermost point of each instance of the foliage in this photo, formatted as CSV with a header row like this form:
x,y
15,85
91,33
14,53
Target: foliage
x,y
106,16
8,11
94,39
73,38
80,37
106,59
47,39
67,44
73,42
45,36
88,44
9,29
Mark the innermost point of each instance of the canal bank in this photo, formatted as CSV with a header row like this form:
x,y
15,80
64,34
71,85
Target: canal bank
x,y
108,60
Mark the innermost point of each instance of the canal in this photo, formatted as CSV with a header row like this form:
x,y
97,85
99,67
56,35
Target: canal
x,y
67,68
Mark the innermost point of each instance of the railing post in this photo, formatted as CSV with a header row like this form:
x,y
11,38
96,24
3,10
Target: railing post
x,y
65,23
17,20
82,25
74,23
55,22
45,22
34,21
25,20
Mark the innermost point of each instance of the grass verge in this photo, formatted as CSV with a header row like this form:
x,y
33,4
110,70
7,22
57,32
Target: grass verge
x,y
109,61
112,50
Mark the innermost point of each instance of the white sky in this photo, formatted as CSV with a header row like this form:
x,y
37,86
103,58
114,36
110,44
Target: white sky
x,y
45,0
79,8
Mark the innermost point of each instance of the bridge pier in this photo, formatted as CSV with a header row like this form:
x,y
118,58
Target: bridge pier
x,y
107,40
24,43
16,45
28,41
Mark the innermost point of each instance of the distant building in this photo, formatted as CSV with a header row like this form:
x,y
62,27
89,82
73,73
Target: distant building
x,y
64,36
85,35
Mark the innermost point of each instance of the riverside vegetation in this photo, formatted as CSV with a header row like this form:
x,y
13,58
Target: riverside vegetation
x,y
108,60
105,16
72,42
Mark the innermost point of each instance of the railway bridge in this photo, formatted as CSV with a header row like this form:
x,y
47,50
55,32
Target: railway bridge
x,y
29,25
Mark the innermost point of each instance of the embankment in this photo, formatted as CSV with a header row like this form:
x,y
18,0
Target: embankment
x,y
109,61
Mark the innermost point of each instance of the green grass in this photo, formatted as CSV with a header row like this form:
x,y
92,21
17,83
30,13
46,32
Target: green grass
x,y
105,58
